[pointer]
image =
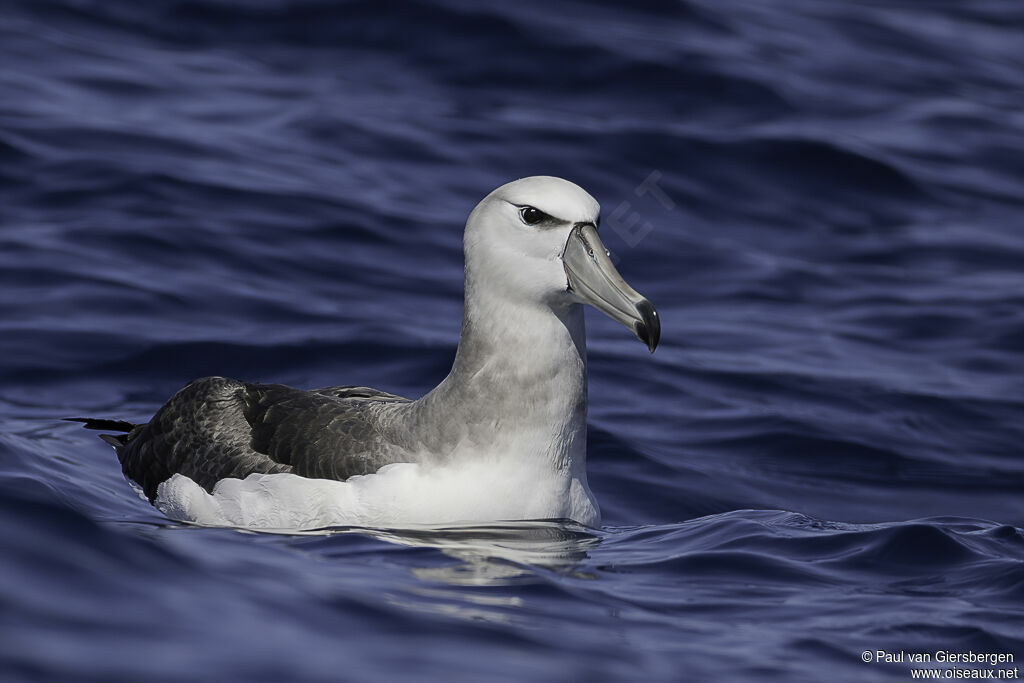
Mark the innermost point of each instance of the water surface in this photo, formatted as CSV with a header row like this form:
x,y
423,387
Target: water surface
x,y
823,200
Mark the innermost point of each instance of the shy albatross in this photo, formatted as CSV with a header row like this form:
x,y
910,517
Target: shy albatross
x,y
502,437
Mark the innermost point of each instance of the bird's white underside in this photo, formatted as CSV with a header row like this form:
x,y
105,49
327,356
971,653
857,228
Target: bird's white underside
x,y
484,490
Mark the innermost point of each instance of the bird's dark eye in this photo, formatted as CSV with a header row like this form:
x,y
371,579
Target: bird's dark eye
x,y
531,216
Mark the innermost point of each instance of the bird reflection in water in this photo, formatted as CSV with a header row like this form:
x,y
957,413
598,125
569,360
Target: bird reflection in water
x,y
500,554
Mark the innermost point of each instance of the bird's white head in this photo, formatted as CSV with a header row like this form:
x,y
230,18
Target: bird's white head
x,y
535,241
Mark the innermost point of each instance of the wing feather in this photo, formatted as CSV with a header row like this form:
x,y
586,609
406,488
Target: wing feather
x,y
216,428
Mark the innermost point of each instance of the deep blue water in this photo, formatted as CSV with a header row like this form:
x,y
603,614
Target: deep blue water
x,y
823,457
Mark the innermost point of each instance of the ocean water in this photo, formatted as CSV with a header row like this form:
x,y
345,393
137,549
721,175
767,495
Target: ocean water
x,y
824,199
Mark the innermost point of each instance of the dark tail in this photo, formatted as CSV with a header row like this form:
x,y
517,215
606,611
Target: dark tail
x,y
100,423
111,425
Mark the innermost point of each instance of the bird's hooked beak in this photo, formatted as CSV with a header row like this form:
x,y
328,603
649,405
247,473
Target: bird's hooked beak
x,y
593,278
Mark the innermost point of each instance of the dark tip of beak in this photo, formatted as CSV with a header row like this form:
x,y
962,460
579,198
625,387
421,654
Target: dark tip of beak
x,y
648,329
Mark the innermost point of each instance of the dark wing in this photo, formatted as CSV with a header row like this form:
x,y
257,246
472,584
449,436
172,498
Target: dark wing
x,y
216,428
202,433
329,433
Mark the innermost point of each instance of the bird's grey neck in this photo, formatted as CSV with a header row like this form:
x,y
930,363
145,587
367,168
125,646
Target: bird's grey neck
x,y
520,372
506,340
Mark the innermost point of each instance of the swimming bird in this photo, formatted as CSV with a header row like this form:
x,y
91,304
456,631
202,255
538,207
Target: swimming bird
x,y
502,437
